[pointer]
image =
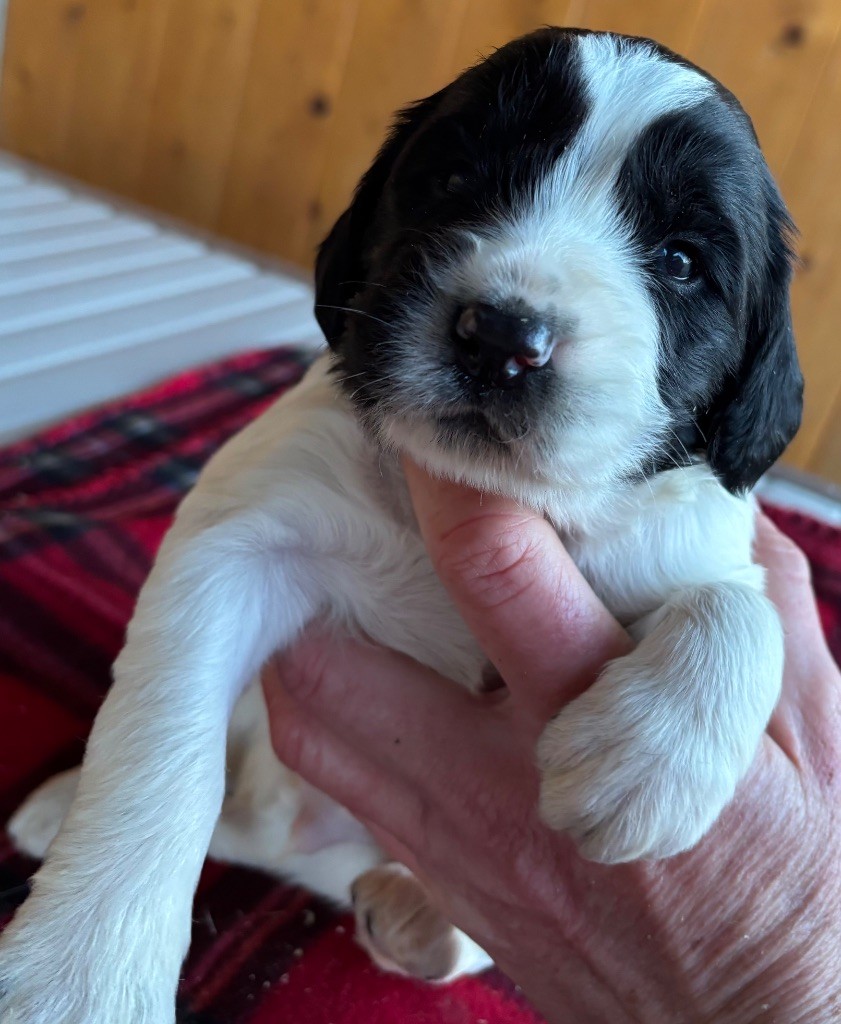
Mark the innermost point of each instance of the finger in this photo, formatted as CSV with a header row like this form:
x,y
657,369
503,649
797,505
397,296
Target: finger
x,y
312,749
788,583
518,590
408,722
808,715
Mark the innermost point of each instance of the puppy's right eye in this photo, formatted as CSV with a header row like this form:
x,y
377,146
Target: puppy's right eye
x,y
455,183
678,261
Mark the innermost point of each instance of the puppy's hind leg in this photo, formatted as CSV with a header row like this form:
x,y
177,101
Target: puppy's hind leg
x,y
275,822
36,822
404,933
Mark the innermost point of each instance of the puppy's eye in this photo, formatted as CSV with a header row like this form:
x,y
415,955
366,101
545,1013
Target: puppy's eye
x,y
456,183
678,261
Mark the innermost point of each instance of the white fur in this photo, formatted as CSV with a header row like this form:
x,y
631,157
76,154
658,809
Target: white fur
x,y
303,516
405,934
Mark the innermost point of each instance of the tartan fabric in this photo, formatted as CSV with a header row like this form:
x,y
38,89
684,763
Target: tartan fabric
x,y
83,508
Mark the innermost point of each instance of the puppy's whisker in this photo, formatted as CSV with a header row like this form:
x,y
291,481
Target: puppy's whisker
x,y
370,284
380,378
359,312
683,447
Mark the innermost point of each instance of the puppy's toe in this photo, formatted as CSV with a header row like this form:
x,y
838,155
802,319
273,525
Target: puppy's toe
x,y
604,831
399,927
623,794
35,823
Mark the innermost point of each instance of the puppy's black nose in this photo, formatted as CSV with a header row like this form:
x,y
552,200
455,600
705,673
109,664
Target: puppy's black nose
x,y
498,348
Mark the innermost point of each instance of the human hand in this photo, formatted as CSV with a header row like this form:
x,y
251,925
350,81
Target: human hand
x,y
745,927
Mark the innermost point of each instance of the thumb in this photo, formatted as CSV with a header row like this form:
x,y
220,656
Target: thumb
x,y
518,590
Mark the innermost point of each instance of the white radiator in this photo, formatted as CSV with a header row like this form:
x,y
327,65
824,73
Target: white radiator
x,y
98,299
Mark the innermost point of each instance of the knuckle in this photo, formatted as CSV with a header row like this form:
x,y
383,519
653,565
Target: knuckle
x,y
571,606
798,565
790,560
289,740
495,561
305,672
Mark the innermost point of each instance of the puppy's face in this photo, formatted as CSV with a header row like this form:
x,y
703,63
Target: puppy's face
x,y
569,266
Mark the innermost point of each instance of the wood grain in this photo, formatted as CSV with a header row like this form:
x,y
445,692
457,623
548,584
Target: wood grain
x,y
810,182
401,50
196,105
255,118
288,114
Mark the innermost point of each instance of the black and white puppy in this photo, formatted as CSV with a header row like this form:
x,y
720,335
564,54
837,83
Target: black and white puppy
x,y
564,278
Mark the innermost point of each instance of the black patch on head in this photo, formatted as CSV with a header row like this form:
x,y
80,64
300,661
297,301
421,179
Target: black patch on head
x,y
456,159
728,368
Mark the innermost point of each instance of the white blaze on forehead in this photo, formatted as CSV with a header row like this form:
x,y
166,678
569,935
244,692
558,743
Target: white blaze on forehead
x,y
629,86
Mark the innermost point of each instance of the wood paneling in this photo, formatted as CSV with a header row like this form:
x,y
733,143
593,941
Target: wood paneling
x,y
407,52
285,125
810,182
255,118
201,78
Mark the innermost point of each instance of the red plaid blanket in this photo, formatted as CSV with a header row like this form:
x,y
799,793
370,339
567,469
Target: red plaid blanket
x,y
83,508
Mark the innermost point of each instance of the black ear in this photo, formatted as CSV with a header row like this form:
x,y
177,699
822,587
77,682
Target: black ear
x,y
760,409
335,268
341,264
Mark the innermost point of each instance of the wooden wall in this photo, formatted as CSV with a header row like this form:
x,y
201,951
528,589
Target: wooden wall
x,y
254,118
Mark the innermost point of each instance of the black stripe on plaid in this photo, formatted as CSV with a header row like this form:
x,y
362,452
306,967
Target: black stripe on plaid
x,y
121,436
68,668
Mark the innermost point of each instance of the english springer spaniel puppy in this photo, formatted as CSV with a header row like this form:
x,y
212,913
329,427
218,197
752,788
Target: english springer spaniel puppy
x,y
565,279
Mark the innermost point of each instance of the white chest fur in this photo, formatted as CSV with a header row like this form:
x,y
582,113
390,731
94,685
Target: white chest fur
x,y
307,469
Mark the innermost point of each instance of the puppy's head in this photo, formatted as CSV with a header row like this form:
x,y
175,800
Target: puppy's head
x,y
569,266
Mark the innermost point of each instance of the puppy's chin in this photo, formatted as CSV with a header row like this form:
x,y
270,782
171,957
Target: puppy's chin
x,y
468,448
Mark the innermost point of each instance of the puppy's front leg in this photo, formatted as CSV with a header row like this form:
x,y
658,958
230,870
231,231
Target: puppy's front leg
x,y
642,764
102,937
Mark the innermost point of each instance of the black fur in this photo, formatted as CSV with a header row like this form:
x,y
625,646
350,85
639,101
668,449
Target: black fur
x,y
728,371
500,124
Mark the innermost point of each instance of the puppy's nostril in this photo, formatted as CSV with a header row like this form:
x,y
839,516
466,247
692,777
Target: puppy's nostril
x,y
470,358
538,345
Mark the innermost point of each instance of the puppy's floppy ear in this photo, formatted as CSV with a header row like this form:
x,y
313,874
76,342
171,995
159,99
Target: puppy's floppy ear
x,y
759,411
335,268
341,265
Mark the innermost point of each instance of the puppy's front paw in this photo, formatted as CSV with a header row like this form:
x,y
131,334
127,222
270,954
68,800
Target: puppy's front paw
x,y
398,926
630,773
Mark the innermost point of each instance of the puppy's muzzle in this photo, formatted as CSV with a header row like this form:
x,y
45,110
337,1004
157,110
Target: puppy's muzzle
x,y
497,347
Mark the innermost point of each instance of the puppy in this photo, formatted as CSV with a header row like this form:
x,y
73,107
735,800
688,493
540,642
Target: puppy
x,y
564,278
